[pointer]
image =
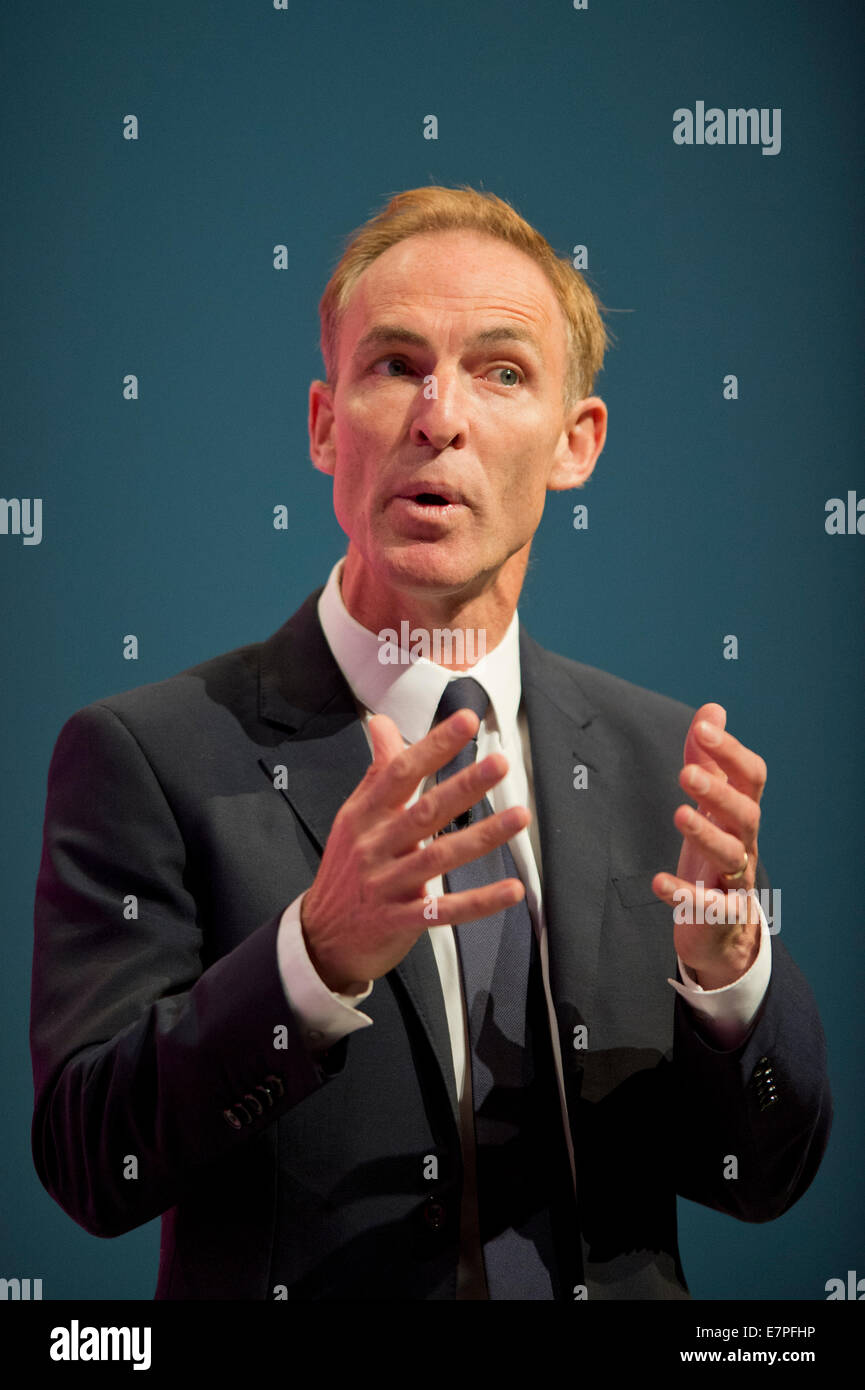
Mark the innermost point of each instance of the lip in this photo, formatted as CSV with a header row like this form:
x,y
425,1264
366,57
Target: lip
x,y
424,520
431,487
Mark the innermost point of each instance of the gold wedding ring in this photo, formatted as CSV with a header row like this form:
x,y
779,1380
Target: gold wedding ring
x,y
734,878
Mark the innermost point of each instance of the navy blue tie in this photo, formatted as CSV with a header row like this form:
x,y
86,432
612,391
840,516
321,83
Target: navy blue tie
x,y
525,1191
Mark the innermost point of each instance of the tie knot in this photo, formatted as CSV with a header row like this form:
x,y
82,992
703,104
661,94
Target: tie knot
x,y
463,693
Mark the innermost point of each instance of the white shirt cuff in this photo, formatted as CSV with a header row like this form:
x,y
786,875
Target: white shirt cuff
x,y
728,1012
324,1016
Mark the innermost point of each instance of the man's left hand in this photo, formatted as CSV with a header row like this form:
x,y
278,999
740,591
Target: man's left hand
x,y
726,779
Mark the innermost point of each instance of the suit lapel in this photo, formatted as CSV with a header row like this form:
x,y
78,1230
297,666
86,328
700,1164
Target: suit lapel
x,y
573,827
318,765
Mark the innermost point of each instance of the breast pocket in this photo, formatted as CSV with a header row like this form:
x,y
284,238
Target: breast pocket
x,y
635,890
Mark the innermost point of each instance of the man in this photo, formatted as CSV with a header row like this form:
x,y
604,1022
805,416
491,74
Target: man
x,y
359,971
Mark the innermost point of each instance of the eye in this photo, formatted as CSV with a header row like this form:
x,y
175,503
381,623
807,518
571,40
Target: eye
x,y
398,362
516,375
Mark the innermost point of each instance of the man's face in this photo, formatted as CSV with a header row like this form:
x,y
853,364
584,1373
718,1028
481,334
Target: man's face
x,y
446,427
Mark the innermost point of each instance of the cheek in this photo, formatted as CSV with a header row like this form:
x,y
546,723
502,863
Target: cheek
x,y
353,482
359,440
526,492
348,471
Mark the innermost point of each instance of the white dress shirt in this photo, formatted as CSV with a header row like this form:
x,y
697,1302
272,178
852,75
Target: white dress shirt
x,y
410,693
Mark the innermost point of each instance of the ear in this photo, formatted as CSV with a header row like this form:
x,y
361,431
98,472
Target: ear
x,y
583,435
321,446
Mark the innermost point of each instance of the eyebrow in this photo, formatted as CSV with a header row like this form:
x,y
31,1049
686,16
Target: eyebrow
x,y
382,333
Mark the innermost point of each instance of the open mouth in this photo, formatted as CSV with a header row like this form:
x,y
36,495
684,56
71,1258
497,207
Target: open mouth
x,y
430,505
431,495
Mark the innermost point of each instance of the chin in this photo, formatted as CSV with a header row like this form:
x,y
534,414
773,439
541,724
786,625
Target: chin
x,y
427,567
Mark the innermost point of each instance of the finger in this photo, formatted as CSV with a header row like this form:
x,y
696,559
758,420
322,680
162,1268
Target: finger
x,y
387,741
745,769
407,876
473,904
392,784
731,810
726,851
697,751
443,803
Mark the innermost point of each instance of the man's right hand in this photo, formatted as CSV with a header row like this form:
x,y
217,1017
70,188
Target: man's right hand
x,y
365,908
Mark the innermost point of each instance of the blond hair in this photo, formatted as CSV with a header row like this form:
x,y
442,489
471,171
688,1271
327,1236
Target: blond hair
x,y
435,209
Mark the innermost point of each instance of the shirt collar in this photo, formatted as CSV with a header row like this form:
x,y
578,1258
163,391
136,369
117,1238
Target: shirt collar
x,y
410,693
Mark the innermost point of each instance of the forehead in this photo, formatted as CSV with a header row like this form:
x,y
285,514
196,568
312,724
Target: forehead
x,y
455,281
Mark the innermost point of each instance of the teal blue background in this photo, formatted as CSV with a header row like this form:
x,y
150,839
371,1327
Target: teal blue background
x,y
706,516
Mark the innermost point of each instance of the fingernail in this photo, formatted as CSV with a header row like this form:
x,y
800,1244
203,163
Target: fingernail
x,y
698,780
709,733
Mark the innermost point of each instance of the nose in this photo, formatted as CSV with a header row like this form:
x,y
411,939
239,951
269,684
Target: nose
x,y
439,417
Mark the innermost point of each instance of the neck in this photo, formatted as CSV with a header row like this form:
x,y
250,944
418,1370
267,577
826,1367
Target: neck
x,y
476,615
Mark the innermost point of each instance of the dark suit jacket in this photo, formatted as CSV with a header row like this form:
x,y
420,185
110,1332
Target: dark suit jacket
x,y
182,817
